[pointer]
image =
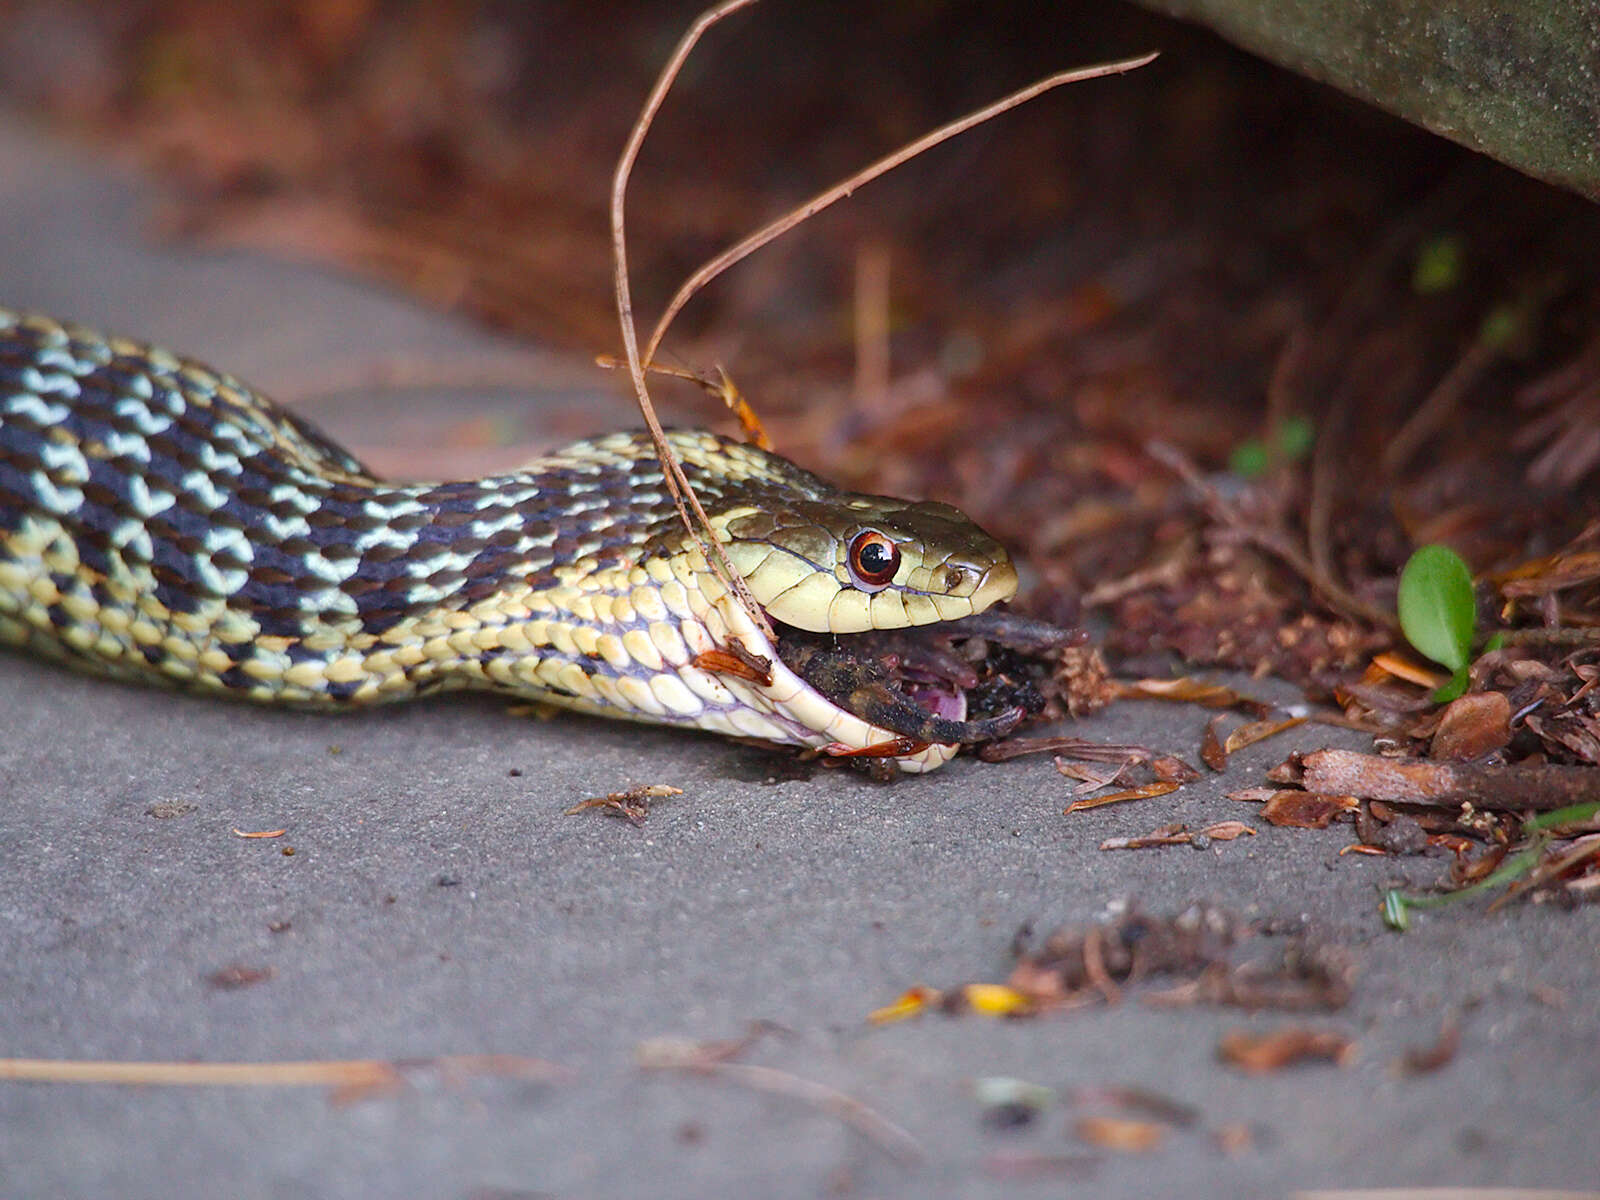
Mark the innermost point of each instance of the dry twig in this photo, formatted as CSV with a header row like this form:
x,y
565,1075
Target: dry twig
x,y
677,483
670,1054
1272,541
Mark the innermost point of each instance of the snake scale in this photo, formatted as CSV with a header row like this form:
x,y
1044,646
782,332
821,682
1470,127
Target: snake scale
x,y
161,521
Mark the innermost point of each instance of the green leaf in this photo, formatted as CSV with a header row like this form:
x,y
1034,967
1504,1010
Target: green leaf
x,y
1396,915
1505,325
1439,264
1250,459
1437,609
1455,687
1295,437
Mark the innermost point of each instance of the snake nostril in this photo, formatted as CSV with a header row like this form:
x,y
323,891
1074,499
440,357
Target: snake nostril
x,y
953,577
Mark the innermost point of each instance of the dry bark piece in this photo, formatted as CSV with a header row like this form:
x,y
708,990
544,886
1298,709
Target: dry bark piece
x,y
1473,727
1521,787
1138,793
1259,731
1140,1100
1290,770
1305,810
1211,751
1122,1134
1263,1053
1167,835
1178,835
1254,795
1424,1059
1169,768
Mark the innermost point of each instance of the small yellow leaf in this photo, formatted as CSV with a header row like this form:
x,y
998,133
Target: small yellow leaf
x,y
913,1002
995,999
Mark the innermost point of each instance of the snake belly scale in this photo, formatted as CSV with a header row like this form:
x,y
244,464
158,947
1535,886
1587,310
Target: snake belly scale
x,y
160,521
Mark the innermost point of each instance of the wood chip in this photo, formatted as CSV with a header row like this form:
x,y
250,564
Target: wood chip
x,y
1259,731
1261,1053
1306,810
1139,793
1473,727
1122,1134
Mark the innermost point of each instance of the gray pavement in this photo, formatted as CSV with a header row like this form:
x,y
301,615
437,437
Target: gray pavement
x,y
439,902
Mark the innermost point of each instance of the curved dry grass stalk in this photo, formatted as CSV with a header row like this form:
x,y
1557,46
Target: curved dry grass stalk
x,y
839,191
689,508
682,494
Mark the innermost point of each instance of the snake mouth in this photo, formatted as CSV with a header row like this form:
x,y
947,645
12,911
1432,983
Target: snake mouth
x,y
945,683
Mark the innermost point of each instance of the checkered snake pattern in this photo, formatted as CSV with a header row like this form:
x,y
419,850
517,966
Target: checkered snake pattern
x,y
161,521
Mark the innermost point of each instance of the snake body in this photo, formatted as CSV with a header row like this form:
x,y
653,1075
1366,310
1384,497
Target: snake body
x,y
161,521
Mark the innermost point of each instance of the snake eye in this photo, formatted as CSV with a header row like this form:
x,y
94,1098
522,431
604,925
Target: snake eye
x,y
874,559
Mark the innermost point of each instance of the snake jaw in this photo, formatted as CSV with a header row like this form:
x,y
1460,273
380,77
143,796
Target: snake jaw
x,y
844,697
824,724
843,701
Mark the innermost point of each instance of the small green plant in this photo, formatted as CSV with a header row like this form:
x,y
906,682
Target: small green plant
x,y
1438,613
1397,906
1440,262
1290,441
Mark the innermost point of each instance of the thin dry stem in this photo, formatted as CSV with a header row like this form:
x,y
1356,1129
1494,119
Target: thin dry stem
x,y
683,495
672,471
868,1122
1270,540
749,245
346,1074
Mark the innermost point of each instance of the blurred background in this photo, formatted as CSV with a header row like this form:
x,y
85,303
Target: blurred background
x,y
1383,339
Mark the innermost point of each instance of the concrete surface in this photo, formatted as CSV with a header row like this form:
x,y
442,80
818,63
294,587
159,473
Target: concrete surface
x,y
438,903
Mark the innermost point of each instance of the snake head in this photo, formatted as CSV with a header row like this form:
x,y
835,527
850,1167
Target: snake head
x,y
854,563
837,572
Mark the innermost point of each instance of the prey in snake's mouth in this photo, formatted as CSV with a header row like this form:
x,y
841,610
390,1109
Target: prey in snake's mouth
x,y
952,682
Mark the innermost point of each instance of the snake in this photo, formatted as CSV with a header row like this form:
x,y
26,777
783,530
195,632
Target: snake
x,y
162,522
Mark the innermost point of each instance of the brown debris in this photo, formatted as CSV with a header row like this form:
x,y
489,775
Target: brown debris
x,y
1148,791
1522,787
1472,727
1179,835
1211,751
1305,810
1259,731
1191,690
1125,950
1427,1059
237,976
1122,1134
1074,747
1264,1053
633,805
1081,681
1139,1100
